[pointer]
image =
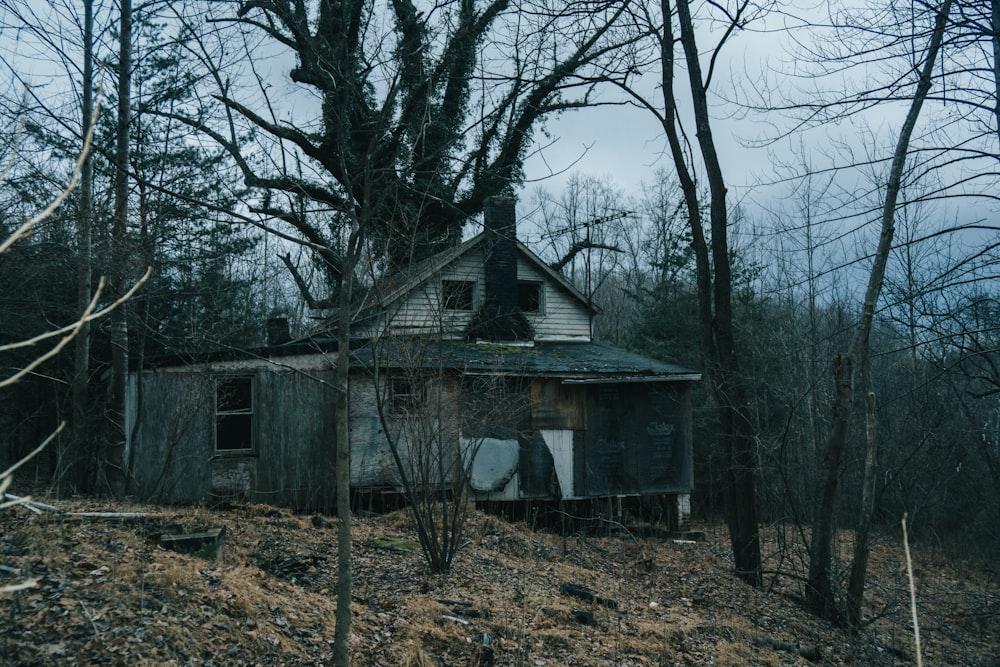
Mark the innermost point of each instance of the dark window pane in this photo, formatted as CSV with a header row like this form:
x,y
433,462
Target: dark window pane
x,y
234,414
234,432
457,294
235,395
529,297
406,396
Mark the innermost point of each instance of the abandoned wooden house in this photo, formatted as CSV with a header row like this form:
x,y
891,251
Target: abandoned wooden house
x,y
477,364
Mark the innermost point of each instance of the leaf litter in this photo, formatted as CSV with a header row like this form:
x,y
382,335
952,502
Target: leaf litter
x,y
108,593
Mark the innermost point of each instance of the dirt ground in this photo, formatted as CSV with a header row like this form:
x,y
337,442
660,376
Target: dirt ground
x,y
108,593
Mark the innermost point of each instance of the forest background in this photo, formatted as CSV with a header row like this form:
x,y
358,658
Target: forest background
x,y
258,186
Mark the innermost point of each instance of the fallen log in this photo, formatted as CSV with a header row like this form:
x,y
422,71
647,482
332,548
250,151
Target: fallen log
x,y
587,595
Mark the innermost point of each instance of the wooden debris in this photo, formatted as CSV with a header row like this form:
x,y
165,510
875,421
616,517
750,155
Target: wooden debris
x,y
110,516
206,544
10,500
587,595
808,651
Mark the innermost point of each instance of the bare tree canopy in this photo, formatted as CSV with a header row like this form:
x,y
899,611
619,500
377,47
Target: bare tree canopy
x,y
417,113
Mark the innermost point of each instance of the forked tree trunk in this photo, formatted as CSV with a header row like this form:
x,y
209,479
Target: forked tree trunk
x,y
820,597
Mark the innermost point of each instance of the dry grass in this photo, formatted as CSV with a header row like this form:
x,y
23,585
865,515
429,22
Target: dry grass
x,y
110,595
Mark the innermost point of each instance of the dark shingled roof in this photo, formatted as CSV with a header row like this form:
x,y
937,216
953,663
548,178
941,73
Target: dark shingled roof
x,y
579,361
575,361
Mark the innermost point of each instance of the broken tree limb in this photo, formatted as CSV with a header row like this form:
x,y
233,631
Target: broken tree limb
x,y
111,516
9,500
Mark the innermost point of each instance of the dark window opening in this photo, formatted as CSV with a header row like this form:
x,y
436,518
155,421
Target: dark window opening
x,y
457,294
406,396
529,297
234,414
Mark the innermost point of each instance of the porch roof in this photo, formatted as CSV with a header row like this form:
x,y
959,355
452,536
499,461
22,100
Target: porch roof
x,y
574,362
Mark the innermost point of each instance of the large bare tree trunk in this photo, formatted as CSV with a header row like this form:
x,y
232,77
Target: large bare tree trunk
x,y
78,460
715,302
115,459
820,597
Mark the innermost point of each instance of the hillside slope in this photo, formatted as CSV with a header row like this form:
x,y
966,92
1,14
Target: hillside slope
x,y
109,594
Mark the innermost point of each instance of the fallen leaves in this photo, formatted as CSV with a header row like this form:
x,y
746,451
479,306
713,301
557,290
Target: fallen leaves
x,y
110,594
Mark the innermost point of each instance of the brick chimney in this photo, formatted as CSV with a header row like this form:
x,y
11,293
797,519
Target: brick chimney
x,y
500,319
277,331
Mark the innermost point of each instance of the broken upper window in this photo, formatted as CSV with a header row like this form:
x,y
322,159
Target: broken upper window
x,y
457,294
234,414
529,296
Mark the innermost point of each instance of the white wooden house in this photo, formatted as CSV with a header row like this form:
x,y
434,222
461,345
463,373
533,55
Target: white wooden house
x,y
482,351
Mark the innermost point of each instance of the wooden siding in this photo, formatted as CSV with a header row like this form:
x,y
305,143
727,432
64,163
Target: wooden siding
x,y
296,439
579,441
371,459
421,311
173,442
429,433
562,316
555,405
291,463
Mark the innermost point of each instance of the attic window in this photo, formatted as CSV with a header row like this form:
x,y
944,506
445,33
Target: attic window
x,y
529,297
234,414
457,294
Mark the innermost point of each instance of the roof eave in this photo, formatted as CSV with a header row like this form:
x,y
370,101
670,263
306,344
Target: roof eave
x,y
621,379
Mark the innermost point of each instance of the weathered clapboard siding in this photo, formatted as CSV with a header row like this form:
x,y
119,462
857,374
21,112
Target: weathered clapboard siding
x,y
295,439
431,432
371,458
173,439
421,312
562,316
293,421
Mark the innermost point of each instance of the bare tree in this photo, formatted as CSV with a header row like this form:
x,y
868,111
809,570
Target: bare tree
x,y
57,339
436,419
820,595
711,246
84,274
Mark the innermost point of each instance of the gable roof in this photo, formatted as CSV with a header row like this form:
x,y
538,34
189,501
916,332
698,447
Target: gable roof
x,y
389,290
